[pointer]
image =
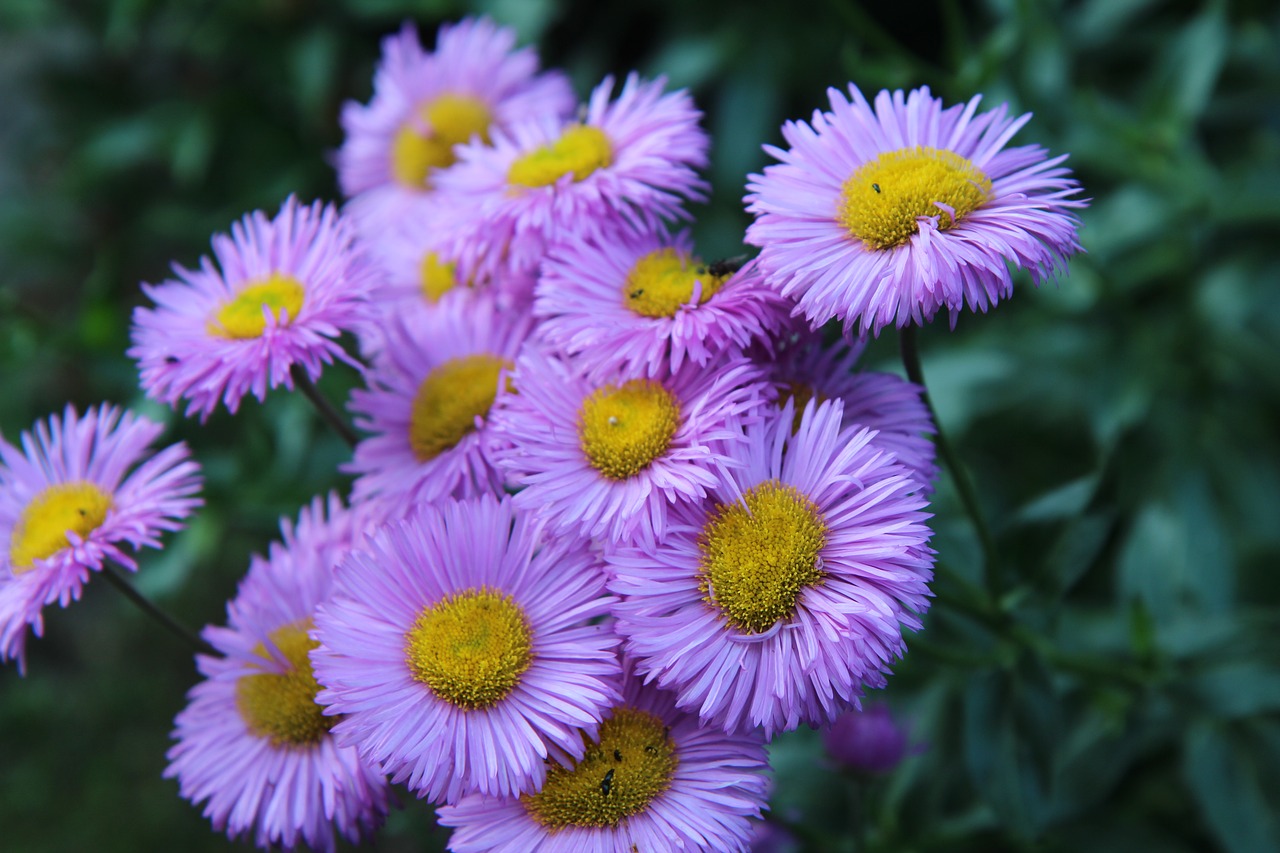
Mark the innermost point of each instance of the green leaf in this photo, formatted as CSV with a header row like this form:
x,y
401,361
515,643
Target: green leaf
x,y
1229,777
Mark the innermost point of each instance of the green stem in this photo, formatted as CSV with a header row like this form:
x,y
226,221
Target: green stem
x,y
959,475
322,405
146,606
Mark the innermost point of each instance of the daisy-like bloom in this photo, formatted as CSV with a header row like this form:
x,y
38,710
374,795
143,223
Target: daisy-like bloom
x,y
653,778
774,602
607,458
282,292
883,216
428,403
76,492
634,157
882,401
253,744
643,301
426,103
461,648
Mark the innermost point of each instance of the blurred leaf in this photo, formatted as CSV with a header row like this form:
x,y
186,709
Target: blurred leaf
x,y
1239,688
1228,772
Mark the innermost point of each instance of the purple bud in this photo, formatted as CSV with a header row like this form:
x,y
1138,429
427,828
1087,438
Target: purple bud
x,y
867,740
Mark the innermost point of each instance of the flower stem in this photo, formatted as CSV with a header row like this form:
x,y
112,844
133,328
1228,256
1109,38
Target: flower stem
x,y
146,606
959,475
330,415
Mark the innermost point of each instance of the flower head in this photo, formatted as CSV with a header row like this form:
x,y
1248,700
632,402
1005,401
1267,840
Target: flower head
x,y
652,778
608,457
253,744
884,216
460,651
633,159
282,292
869,740
776,600
76,492
643,302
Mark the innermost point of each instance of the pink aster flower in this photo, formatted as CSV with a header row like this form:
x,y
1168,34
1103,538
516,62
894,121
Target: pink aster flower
x,y
425,103
774,602
634,157
882,401
428,403
609,457
282,292
77,491
884,216
252,743
652,778
461,648
642,301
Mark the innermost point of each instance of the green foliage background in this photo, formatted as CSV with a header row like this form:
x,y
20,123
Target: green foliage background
x,y
1120,693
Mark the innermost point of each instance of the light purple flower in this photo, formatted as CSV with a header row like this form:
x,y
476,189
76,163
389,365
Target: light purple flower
x,y
633,158
885,215
76,491
775,601
653,779
461,648
253,744
643,302
608,458
281,294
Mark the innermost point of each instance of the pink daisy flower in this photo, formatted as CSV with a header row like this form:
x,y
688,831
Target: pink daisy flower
x,y
426,103
461,648
252,743
882,401
281,294
643,302
884,216
634,157
77,491
774,602
428,403
608,458
652,778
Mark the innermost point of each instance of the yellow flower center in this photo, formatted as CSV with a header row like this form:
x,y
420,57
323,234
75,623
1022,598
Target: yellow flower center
x,y
281,706
759,553
623,429
881,201
449,400
438,276
618,777
242,317
450,120
470,648
579,151
41,529
663,280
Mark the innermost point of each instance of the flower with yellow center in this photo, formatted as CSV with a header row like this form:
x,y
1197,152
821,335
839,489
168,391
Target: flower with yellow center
x,y
426,140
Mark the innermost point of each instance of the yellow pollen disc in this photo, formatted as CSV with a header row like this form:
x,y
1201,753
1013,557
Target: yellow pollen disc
x,y
470,648
758,554
663,280
450,120
881,201
579,151
802,393
623,429
618,777
449,400
281,706
42,527
242,317
438,276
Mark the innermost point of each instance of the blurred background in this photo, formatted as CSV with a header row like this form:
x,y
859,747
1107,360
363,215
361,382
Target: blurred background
x,y
1122,427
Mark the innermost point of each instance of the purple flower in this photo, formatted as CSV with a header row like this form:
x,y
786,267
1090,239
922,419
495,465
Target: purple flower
x,y
282,293
775,601
653,778
77,491
884,216
868,740
253,744
461,648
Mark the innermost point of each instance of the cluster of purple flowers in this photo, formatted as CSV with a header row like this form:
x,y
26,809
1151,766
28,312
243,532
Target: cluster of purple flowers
x,y
620,516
